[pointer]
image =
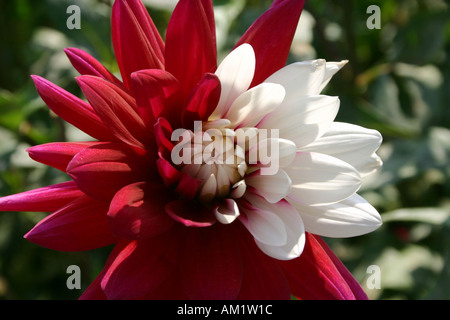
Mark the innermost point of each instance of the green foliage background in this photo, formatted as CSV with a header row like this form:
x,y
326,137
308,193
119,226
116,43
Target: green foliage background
x,y
397,81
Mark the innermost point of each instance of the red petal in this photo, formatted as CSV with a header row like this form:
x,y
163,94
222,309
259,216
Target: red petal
x,y
85,64
72,109
168,173
211,264
57,154
190,213
263,278
188,186
116,108
137,43
271,37
319,274
203,101
155,90
140,267
81,225
102,170
137,211
94,291
190,45
46,199
163,135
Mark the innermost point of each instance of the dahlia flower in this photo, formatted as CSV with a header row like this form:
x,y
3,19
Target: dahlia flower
x,y
211,181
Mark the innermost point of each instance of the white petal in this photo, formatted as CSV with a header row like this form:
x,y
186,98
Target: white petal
x,y
303,120
319,179
331,69
238,189
208,191
281,151
235,74
301,78
272,187
294,228
349,218
251,106
265,226
351,143
227,211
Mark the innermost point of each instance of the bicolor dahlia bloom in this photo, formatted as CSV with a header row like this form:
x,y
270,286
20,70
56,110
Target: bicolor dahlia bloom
x,y
185,223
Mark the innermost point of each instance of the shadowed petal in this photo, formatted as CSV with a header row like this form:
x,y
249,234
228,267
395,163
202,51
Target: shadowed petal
x,y
137,211
157,93
79,226
139,267
203,101
190,213
137,43
263,278
211,264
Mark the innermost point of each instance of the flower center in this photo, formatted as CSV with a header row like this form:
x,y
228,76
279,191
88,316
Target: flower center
x,y
217,156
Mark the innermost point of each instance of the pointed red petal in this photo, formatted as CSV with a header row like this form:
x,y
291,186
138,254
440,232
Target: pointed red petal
x,y
81,225
85,64
102,170
190,213
72,109
137,211
190,45
137,43
319,274
203,101
116,108
140,267
155,91
211,264
271,37
46,199
57,154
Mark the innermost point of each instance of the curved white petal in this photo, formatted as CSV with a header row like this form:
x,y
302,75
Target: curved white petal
x,y
303,120
319,179
265,226
235,74
300,78
227,211
294,227
251,106
272,187
351,143
331,69
349,218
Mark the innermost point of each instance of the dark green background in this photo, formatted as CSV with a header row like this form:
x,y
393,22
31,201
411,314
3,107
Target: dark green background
x,y
397,81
